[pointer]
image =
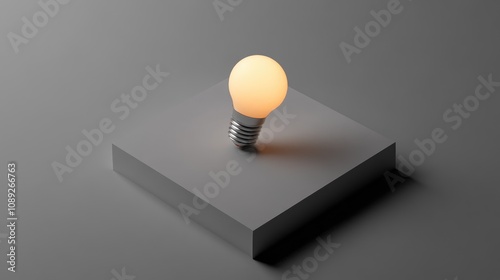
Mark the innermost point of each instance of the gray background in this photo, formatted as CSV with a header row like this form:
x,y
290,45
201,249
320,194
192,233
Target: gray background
x,y
442,224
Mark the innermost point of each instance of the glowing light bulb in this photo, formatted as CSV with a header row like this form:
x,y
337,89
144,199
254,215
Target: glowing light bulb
x,y
257,85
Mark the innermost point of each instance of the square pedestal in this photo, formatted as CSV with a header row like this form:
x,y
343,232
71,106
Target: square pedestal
x,y
308,158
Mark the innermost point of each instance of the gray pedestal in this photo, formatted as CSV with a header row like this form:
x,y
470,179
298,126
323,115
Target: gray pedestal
x,y
309,157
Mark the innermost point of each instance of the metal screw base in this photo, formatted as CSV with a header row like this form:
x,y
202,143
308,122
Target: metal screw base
x,y
243,136
243,130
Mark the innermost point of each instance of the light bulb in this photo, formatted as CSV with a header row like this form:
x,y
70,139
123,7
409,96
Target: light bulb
x,y
257,85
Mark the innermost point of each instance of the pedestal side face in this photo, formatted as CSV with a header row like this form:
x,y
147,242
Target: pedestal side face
x,y
325,198
165,189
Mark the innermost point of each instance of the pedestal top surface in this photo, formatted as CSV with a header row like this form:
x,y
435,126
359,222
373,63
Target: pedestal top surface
x,y
303,146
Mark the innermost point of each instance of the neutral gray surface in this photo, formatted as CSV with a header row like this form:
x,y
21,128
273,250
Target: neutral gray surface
x,y
442,224
309,157
317,147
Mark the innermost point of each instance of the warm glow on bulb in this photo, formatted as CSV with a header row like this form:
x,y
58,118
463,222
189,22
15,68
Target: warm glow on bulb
x,y
257,85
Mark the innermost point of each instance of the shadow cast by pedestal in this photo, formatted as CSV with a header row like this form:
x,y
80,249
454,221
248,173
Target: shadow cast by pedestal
x,y
336,216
